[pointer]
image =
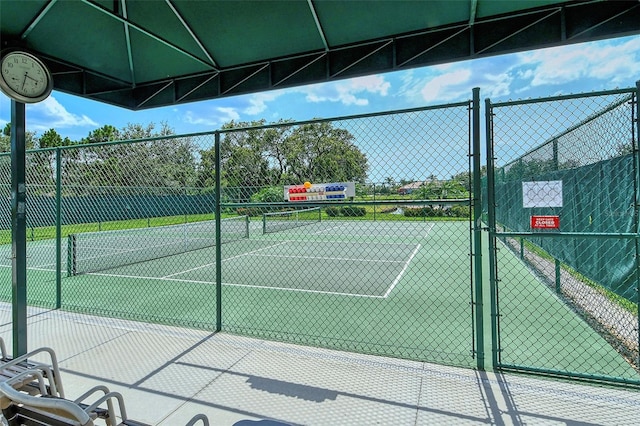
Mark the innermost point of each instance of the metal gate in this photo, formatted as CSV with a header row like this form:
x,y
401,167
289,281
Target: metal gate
x,y
562,206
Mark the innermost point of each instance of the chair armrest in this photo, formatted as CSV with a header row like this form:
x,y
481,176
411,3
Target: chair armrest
x,y
46,404
54,365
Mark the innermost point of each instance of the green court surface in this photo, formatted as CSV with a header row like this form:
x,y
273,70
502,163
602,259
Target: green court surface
x,y
539,330
394,288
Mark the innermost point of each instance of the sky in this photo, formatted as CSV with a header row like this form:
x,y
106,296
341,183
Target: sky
x,y
585,67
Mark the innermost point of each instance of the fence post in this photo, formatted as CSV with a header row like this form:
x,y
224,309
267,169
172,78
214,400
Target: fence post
x,y
491,217
477,228
635,141
558,276
374,201
58,228
218,211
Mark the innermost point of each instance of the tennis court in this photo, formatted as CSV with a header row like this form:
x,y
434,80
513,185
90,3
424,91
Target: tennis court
x,y
333,257
404,286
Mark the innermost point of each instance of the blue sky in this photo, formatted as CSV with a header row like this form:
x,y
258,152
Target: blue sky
x,y
585,67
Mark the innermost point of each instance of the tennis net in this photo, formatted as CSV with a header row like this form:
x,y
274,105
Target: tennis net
x,y
99,251
280,221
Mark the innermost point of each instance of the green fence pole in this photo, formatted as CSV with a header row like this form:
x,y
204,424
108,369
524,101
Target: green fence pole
x,y
374,202
58,228
558,289
477,227
636,164
521,248
218,211
491,216
18,228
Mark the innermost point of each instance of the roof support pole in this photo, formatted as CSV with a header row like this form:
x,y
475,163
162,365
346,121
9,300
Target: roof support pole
x,y
18,228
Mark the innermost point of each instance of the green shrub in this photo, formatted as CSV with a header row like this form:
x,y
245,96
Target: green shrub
x,y
459,211
425,211
332,211
272,194
353,211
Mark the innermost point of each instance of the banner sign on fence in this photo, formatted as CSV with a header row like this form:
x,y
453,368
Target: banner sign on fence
x,y
321,191
542,194
545,222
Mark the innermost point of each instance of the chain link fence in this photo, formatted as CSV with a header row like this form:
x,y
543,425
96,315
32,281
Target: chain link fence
x,y
359,233
372,254
350,233
563,214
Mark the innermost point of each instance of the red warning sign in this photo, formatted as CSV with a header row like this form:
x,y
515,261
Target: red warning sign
x,y
545,222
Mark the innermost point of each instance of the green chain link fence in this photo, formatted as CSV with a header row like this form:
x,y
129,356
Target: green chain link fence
x,y
563,214
385,269
359,233
378,262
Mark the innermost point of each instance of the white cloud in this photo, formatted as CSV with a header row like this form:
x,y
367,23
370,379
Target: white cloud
x,y
612,61
447,86
50,114
456,82
218,116
258,102
347,92
497,85
372,84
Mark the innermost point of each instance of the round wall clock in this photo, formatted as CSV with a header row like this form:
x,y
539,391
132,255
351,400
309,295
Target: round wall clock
x,y
24,77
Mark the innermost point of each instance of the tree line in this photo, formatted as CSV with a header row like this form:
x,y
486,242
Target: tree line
x,y
251,159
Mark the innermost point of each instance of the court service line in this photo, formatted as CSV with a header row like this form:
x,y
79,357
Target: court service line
x,y
350,240
406,265
377,236
228,258
303,290
329,229
370,296
329,258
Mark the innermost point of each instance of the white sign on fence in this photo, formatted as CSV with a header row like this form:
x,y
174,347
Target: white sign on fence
x,y
542,194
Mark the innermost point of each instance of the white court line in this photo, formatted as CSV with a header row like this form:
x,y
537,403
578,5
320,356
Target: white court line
x,y
33,268
377,235
426,234
225,259
329,258
329,229
301,290
406,265
366,243
237,285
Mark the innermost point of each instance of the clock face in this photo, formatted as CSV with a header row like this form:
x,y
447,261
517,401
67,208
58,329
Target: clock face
x,y
24,77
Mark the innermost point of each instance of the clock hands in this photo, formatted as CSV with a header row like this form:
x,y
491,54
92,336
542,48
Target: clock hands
x,y
27,76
